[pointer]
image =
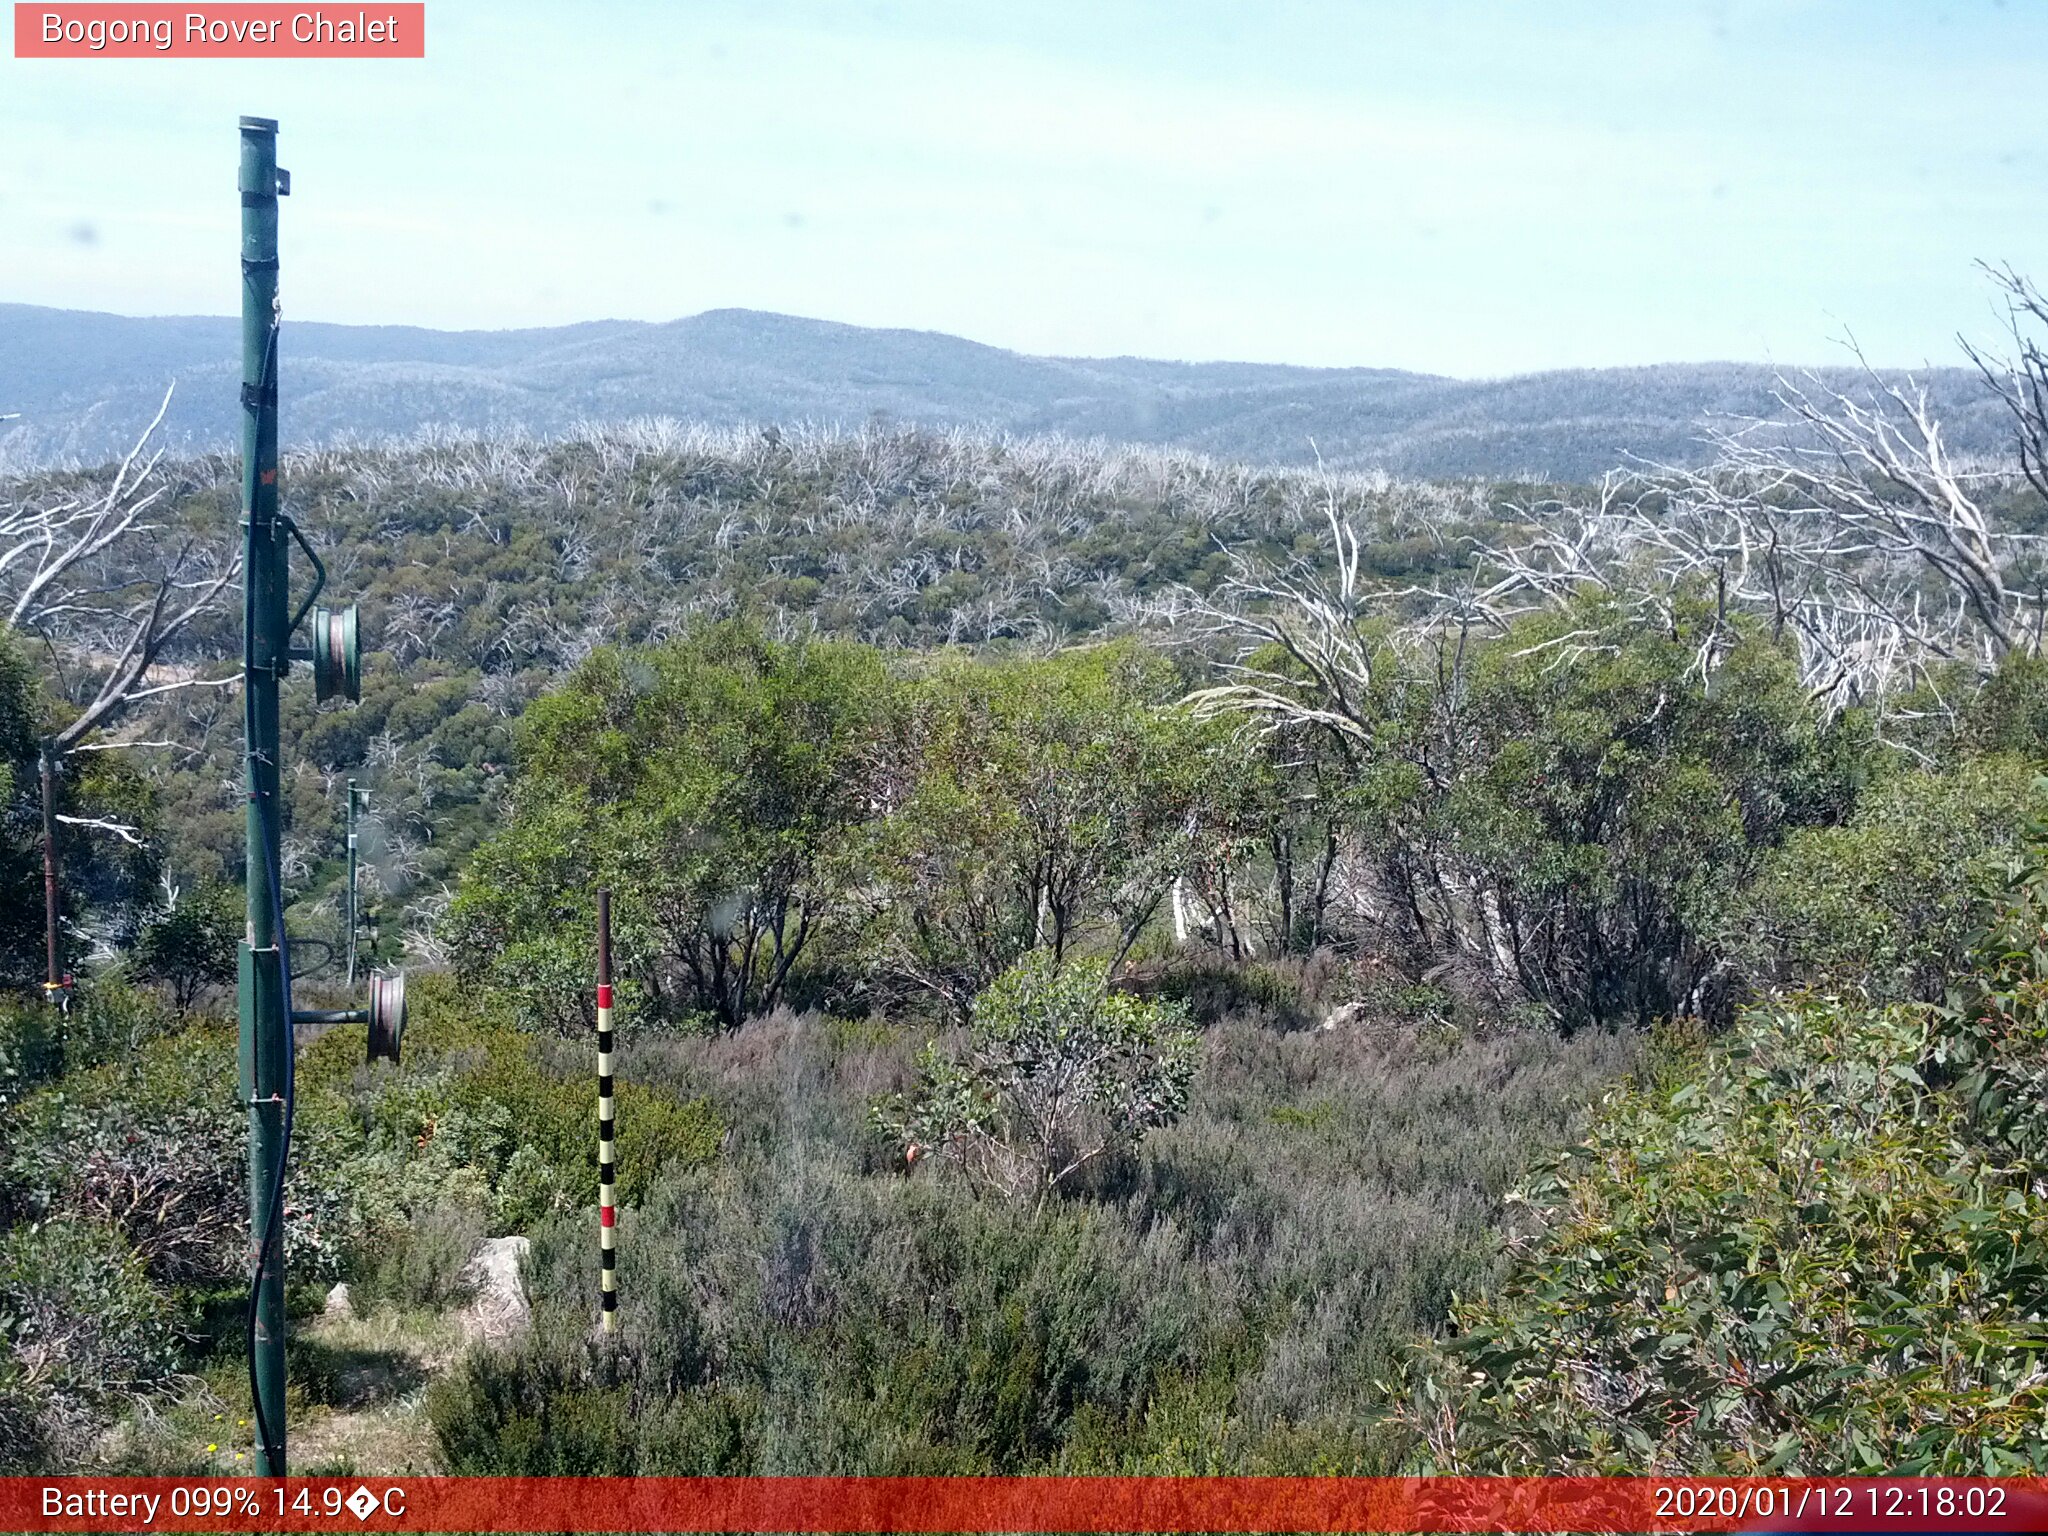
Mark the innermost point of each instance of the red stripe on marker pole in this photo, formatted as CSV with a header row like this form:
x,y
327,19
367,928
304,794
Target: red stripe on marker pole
x,y
604,995
606,1216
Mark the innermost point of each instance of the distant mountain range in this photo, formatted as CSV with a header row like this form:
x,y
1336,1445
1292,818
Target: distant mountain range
x,y
84,384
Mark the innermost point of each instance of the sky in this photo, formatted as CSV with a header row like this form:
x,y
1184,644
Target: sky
x,y
1460,188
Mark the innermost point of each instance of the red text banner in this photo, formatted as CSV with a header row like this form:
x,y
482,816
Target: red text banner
x,y
237,31
1006,1504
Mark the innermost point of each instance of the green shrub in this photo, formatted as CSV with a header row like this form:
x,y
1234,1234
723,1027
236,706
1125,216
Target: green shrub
x,y
2008,711
556,1116
472,1133
1035,803
151,1145
191,946
1225,1300
110,1021
534,1412
31,1048
1564,814
1885,905
1057,1070
529,1190
1211,988
425,1268
107,1020
712,783
1822,1251
83,1326
1618,806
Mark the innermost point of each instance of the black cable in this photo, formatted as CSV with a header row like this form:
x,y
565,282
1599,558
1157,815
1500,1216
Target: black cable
x,y
273,1223
326,963
272,1235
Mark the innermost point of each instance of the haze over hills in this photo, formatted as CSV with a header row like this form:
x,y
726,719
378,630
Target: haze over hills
x,y
84,383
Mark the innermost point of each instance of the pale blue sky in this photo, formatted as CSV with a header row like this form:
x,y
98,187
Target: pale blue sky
x,y
1460,188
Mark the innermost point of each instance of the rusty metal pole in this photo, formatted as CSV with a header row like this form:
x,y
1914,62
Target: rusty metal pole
x,y
53,986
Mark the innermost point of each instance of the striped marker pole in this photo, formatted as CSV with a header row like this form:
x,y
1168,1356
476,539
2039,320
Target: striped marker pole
x,y
607,1206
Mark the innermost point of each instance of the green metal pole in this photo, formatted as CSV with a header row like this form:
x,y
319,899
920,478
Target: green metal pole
x,y
266,1033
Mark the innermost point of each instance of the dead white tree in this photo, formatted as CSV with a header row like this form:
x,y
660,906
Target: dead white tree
x,y
1883,492
1309,638
1318,649
109,586
1309,620
1845,522
2020,378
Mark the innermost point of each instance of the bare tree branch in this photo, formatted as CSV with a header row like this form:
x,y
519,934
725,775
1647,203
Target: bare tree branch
x,y
130,835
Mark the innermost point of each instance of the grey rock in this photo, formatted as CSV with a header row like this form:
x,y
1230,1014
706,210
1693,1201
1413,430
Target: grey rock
x,y
1344,1015
498,1311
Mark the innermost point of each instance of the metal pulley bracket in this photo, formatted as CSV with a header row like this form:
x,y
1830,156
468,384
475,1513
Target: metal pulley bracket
x,y
387,1014
336,653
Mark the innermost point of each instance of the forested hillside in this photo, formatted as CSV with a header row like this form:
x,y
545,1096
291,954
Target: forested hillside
x,y
81,381
1127,962
486,569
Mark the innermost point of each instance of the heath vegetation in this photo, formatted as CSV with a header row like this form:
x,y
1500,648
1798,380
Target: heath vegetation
x,y
1126,963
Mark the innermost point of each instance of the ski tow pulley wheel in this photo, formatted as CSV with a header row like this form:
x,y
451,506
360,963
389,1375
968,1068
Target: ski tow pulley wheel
x,y
387,1014
337,654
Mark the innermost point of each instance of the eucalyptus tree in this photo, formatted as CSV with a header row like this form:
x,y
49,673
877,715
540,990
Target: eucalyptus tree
x,y
1031,805
715,784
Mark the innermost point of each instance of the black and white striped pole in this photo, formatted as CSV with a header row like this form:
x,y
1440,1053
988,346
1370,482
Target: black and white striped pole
x,y
607,1202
